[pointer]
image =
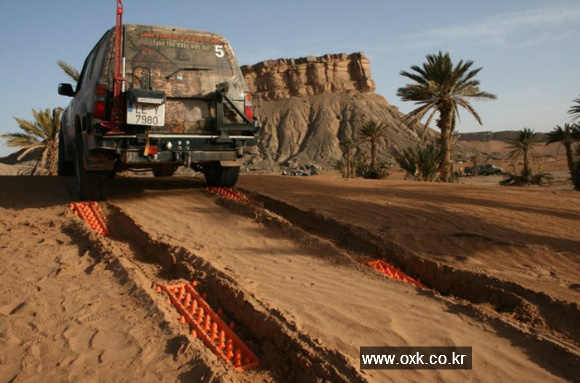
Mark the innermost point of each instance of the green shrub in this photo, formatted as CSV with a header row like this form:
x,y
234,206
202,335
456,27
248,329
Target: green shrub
x,y
368,172
511,179
421,163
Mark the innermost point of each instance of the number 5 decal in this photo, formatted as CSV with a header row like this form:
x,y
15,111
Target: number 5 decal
x,y
219,51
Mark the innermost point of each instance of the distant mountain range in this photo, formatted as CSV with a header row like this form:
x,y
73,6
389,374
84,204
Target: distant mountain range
x,y
497,136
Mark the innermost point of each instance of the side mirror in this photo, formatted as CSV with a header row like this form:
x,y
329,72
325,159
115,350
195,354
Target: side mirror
x,y
66,90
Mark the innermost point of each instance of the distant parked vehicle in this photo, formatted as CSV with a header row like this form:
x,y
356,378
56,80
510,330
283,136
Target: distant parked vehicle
x,y
485,170
489,170
304,170
294,173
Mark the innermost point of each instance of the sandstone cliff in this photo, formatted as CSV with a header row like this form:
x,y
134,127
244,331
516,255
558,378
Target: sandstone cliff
x,y
307,105
308,76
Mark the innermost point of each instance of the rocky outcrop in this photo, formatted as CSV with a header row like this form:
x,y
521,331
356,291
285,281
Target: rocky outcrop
x,y
308,130
307,105
309,76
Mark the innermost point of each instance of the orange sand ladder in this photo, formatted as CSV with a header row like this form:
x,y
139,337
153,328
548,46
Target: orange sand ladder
x,y
208,326
90,213
228,193
391,272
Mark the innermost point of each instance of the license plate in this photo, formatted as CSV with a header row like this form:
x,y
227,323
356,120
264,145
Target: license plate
x,y
145,114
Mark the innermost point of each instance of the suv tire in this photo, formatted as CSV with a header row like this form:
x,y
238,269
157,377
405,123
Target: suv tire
x,y
91,185
65,168
221,176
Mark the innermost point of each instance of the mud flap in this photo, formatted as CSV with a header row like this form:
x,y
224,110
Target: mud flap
x,y
98,161
94,160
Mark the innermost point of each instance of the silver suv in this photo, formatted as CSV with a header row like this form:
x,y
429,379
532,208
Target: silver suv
x,y
181,101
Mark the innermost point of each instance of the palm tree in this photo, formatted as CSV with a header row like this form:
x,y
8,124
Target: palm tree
x,y
575,110
522,146
474,157
566,136
71,71
441,87
39,134
373,132
347,146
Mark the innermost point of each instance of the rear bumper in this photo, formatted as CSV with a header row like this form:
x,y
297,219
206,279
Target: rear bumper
x,y
176,142
134,158
142,151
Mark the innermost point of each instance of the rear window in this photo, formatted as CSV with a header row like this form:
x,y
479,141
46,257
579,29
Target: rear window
x,y
180,62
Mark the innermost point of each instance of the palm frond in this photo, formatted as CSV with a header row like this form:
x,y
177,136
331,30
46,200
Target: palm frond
x,y
575,110
69,70
467,105
30,127
559,134
19,139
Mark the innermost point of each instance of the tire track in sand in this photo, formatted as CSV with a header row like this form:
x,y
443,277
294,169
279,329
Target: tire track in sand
x,y
315,291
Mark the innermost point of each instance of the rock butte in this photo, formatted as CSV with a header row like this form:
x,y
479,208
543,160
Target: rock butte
x,y
307,105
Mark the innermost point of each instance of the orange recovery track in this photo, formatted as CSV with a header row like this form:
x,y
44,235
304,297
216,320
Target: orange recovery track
x,y
90,213
208,326
391,272
229,193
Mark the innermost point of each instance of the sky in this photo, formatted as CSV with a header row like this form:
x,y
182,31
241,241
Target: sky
x,y
529,49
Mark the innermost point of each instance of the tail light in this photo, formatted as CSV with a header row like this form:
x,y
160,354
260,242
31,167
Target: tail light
x,y
248,106
151,151
99,109
100,94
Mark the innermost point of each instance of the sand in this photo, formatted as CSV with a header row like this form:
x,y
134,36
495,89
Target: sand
x,y
502,265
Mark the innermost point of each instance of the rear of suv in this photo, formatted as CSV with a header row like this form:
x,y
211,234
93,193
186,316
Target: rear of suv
x,y
183,102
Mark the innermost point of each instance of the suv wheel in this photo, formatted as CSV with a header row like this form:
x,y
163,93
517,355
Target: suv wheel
x,y
91,185
65,168
221,176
